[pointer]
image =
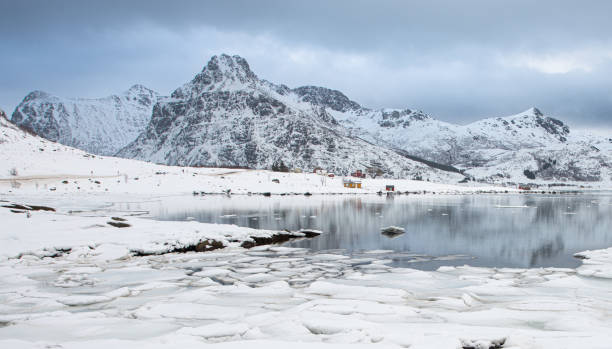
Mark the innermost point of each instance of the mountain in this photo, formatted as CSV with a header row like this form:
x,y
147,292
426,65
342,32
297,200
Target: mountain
x,y
227,116
525,147
100,126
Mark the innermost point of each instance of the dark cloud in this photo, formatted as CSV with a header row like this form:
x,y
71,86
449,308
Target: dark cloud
x,y
459,60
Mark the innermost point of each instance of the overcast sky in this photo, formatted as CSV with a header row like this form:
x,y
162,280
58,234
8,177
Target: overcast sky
x,y
456,60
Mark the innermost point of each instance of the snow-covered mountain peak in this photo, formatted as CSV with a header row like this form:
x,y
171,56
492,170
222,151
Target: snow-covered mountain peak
x,y
141,94
529,123
222,72
227,116
97,125
326,97
37,94
138,89
535,111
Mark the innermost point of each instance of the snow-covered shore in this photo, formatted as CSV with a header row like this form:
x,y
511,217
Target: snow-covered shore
x,y
162,180
97,293
42,233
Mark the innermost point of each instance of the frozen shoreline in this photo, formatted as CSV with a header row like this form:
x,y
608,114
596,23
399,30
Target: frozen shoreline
x,y
114,237
272,296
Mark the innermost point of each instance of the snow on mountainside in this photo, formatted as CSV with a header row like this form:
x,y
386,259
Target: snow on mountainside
x,y
30,164
519,148
227,116
100,126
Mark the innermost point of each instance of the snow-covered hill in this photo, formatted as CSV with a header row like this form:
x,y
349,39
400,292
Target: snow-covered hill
x,y
227,116
100,126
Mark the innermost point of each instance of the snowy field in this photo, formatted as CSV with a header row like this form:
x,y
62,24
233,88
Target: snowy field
x,y
71,280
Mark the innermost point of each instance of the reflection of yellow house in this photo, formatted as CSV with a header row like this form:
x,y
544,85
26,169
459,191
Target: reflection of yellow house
x,y
352,183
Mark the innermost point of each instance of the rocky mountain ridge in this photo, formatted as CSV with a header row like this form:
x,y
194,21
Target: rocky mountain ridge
x,y
525,147
100,126
227,116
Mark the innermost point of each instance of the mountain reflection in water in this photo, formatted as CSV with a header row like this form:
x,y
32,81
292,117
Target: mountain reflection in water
x,y
497,230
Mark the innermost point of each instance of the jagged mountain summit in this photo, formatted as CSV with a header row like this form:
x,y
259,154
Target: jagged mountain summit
x,y
227,116
100,126
523,147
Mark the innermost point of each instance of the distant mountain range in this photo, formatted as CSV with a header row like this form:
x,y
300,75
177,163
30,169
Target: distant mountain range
x,y
101,126
227,116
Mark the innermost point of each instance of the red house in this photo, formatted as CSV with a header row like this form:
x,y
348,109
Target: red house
x,y
358,174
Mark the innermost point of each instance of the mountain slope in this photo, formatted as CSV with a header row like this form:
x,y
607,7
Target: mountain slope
x,y
100,126
32,165
227,116
520,148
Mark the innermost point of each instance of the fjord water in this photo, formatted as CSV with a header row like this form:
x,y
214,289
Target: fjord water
x,y
485,230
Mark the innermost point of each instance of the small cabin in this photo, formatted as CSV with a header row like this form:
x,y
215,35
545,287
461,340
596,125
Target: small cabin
x,y
351,183
390,187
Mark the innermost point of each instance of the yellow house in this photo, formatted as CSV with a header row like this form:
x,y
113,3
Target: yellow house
x,y
352,183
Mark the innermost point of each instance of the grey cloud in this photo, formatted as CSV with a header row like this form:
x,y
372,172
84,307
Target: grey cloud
x,y
440,56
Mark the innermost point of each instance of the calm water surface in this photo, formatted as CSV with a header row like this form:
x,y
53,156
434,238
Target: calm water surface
x,y
480,230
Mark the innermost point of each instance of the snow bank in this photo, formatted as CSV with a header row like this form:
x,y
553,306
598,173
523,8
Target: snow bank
x,y
43,233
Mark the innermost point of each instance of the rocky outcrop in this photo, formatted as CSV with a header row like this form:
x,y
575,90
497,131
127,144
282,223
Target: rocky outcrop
x,y
328,98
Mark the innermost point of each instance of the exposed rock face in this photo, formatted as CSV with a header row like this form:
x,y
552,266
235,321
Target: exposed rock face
x,y
2,114
100,126
328,98
227,116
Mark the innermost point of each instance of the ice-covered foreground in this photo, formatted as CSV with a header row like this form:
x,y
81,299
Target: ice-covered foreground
x,y
99,294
